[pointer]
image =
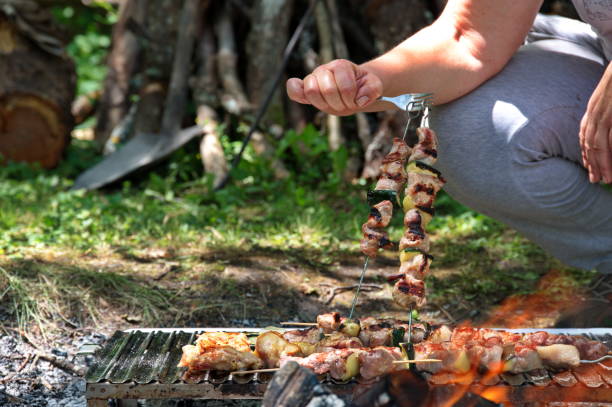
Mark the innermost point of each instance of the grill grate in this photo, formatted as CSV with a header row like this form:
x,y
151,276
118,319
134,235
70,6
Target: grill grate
x,y
143,364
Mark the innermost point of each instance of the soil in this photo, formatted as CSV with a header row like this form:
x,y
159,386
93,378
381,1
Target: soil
x,y
222,288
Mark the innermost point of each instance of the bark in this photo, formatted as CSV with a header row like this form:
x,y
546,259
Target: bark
x,y
205,95
265,44
84,106
392,21
122,64
234,99
176,99
213,158
36,92
326,53
158,35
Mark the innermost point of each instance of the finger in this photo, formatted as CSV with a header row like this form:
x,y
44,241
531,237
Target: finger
x,y
582,138
592,148
346,84
295,90
313,93
604,154
609,176
369,89
329,89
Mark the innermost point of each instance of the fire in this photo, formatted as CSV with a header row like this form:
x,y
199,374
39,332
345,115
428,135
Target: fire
x,y
555,294
496,394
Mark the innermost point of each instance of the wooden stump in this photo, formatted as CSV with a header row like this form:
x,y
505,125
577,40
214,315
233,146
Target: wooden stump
x,y
36,92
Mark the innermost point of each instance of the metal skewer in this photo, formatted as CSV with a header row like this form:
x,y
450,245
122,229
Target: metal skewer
x,y
365,267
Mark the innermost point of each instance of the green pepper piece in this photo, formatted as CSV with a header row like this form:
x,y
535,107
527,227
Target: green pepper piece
x,y
376,196
397,336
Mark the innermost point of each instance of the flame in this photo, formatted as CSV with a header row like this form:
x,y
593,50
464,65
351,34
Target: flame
x,y
496,394
555,294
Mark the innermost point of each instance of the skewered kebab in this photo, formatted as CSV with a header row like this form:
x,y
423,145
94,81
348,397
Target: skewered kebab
x,y
383,198
454,351
423,184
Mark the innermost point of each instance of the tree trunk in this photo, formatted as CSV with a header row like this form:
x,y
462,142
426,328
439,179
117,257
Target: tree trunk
x,y
122,64
160,30
265,44
233,99
36,93
205,96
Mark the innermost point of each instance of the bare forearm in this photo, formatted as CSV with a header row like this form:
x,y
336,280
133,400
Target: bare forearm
x,y
470,42
433,60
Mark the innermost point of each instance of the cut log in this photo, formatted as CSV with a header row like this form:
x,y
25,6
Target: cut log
x,y
36,93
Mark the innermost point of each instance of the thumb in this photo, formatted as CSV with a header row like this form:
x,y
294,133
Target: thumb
x,y
369,87
295,90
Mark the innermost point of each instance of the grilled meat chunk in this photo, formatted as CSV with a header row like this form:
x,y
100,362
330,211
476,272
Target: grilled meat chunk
x,y
271,347
409,291
310,335
337,340
219,351
329,322
426,149
379,361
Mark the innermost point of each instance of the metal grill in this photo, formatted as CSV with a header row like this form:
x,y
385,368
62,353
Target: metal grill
x,y
141,364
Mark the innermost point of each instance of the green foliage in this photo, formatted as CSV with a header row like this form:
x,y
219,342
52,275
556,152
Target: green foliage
x,y
91,27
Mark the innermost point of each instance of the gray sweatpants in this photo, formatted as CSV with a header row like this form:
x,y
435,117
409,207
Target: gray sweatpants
x,y
510,148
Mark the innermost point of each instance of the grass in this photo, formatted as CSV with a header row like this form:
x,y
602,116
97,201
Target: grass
x,y
75,256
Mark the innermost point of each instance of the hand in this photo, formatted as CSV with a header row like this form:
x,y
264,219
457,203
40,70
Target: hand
x,y
339,87
596,131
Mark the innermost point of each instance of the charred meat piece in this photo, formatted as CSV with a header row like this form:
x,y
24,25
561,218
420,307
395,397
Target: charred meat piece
x,y
337,340
223,358
426,149
375,332
415,238
342,364
220,351
417,266
452,359
379,361
588,349
409,291
422,189
380,214
310,335
329,322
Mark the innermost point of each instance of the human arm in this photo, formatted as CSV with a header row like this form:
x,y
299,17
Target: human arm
x,y
596,131
471,41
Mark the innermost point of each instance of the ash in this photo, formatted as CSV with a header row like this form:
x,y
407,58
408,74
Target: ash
x,y
28,381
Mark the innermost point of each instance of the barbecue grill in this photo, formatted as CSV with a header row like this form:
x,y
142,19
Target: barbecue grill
x,y
142,364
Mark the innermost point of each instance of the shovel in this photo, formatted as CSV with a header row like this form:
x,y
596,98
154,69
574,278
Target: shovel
x,y
145,149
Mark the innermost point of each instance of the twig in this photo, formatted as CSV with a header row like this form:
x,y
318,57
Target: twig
x,y
46,384
25,362
62,363
445,312
337,290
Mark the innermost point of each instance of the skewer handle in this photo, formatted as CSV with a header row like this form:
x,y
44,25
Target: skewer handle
x,y
299,323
